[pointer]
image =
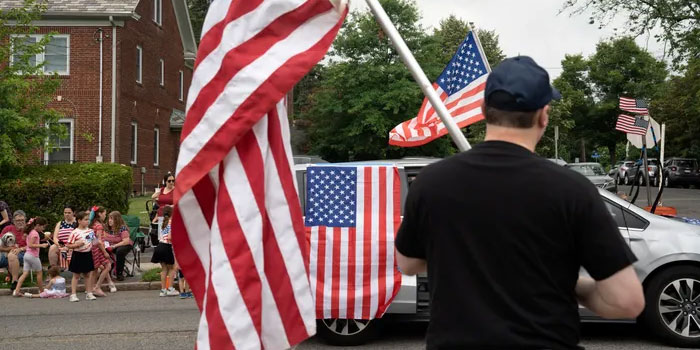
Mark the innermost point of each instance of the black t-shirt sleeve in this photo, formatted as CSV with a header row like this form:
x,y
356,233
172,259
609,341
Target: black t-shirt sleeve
x,y
410,240
601,249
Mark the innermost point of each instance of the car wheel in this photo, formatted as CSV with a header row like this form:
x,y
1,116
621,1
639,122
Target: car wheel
x,y
655,182
627,180
667,182
672,309
342,332
641,180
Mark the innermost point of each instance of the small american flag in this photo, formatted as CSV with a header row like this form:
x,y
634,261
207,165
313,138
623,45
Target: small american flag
x,y
632,125
352,214
460,86
237,227
633,105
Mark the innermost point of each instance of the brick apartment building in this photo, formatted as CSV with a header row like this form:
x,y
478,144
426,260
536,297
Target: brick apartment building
x,y
125,65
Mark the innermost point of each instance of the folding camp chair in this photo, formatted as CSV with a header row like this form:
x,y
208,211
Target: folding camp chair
x,y
134,223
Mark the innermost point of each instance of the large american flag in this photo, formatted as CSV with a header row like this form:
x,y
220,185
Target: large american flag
x,y
636,106
460,86
352,214
631,124
237,227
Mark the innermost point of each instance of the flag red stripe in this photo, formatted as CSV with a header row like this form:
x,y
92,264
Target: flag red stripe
x,y
381,278
212,38
286,177
467,94
259,103
275,267
367,244
239,254
218,333
352,270
431,114
187,258
335,285
246,53
320,270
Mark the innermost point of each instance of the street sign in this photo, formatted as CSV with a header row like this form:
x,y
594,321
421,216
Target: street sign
x,y
595,155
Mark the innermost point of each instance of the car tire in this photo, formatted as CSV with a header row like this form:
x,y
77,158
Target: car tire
x,y
627,180
342,332
667,182
666,296
655,183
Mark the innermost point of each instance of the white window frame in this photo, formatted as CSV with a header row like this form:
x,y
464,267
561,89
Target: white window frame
x,y
40,57
71,132
162,72
139,70
181,97
156,149
135,135
158,12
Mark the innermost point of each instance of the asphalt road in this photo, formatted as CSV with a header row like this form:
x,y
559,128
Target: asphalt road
x,y
142,320
686,201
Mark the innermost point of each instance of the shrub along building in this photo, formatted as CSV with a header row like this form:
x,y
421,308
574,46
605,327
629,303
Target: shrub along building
x,y
125,68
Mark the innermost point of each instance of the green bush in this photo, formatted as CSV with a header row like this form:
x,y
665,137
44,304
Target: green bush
x,y
151,275
44,190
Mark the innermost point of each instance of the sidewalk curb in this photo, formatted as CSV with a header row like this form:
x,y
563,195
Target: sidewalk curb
x,y
123,286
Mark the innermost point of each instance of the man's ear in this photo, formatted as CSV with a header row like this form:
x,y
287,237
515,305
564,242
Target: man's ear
x,y
543,117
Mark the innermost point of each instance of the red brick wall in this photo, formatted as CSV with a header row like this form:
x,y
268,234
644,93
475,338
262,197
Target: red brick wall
x,y
149,104
80,89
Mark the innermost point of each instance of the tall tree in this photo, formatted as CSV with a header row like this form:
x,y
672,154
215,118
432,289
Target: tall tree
x,y
679,20
198,11
26,122
365,90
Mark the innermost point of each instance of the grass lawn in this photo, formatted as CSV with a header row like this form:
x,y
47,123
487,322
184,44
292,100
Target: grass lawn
x,y
151,275
137,206
27,281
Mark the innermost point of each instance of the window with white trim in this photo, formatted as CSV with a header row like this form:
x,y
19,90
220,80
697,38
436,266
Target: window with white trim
x,y
134,142
158,11
182,86
56,54
62,149
139,64
156,146
162,72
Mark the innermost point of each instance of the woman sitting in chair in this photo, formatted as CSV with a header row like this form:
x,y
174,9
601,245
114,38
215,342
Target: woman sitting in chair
x,y
117,234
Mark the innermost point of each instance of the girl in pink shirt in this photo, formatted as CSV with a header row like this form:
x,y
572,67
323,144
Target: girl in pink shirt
x,y
31,257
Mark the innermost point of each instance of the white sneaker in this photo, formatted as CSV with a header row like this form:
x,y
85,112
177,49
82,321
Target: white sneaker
x,y
171,292
112,288
27,295
90,296
163,293
74,298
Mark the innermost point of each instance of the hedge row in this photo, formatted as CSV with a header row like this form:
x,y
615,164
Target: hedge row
x,y
44,190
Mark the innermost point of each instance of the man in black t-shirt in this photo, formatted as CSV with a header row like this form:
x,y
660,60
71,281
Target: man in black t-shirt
x,y
503,233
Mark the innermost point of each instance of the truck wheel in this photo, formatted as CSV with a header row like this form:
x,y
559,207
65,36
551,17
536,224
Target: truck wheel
x,y
343,332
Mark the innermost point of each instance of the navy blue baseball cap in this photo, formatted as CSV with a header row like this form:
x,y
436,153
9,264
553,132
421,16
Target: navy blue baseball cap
x,y
519,84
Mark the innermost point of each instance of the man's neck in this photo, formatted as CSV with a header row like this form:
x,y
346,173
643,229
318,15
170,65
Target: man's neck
x,y
520,137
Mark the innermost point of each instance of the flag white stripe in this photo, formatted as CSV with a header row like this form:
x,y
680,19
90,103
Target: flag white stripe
x,y
249,79
343,293
235,34
236,318
360,238
272,327
328,273
216,13
389,233
313,262
375,235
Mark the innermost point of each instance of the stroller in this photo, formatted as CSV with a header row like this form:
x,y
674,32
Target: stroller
x,y
152,210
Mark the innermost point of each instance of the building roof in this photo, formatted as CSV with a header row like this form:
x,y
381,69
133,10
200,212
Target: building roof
x,y
85,7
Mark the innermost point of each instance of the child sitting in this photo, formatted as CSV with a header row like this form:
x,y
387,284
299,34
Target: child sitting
x,y
55,289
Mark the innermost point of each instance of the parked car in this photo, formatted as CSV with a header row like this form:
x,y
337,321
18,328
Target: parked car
x,y
619,171
652,168
307,159
668,253
681,171
594,172
558,161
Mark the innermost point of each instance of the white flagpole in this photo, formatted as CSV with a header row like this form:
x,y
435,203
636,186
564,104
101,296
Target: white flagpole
x,y
457,136
661,157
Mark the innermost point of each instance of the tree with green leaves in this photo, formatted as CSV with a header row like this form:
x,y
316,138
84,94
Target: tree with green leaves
x,y
198,11
679,20
26,122
365,90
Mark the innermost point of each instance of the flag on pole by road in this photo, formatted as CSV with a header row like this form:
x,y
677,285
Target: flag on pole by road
x,y
632,125
632,105
237,228
352,215
460,86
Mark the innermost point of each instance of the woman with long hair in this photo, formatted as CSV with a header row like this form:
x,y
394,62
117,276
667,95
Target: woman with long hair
x,y
58,254
164,197
117,234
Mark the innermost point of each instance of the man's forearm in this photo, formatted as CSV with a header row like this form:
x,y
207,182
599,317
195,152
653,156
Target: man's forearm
x,y
589,296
